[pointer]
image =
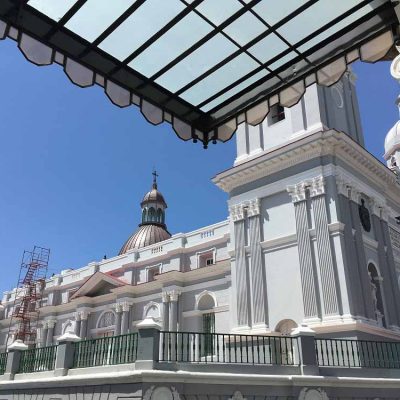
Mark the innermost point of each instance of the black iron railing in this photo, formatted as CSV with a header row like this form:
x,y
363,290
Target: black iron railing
x,y
357,353
111,350
38,359
194,347
3,362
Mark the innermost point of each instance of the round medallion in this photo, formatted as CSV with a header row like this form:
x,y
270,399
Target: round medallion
x,y
364,216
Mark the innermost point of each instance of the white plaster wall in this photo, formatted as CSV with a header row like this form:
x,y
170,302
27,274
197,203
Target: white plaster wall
x,y
278,217
283,286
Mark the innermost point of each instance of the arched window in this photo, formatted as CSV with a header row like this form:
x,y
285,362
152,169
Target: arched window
x,y
376,293
107,319
285,327
151,214
152,309
206,301
144,215
159,216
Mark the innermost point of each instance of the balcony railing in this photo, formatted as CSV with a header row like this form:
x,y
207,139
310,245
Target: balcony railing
x,y
38,359
357,353
3,363
193,347
111,350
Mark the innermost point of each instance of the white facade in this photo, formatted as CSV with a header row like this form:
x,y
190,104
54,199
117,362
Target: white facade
x,y
294,249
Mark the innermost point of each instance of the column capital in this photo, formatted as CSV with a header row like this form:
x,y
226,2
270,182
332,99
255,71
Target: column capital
x,y
118,307
317,186
174,294
237,212
297,192
343,186
77,316
253,207
51,323
165,297
355,194
84,314
376,206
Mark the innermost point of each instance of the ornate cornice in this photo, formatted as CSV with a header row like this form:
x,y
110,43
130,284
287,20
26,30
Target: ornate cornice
x,y
319,144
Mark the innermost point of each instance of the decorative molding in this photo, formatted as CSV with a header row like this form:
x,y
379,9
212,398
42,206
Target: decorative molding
x,y
205,293
313,394
161,393
165,296
147,307
317,186
236,212
316,145
174,294
253,207
297,192
237,396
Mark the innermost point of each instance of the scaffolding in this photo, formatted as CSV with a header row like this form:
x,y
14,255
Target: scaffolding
x,y
28,295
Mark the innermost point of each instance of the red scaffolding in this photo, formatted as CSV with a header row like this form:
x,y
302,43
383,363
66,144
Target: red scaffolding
x,y
28,295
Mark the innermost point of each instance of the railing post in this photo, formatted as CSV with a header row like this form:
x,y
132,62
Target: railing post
x,y
65,353
15,351
306,343
148,344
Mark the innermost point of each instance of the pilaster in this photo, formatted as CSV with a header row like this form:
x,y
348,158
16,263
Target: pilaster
x,y
257,272
165,309
324,247
308,278
237,215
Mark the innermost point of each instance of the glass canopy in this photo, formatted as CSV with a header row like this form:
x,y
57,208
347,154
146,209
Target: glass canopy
x,y
203,65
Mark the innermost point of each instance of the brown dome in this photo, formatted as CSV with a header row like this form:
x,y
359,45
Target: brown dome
x,y
146,235
154,196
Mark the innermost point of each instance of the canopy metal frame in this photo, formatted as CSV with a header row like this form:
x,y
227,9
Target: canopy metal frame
x,y
208,119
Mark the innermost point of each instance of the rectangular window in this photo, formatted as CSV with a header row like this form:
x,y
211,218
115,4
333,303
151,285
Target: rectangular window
x,y
276,114
152,273
206,258
208,337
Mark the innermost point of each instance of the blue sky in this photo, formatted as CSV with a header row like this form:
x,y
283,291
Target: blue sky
x,y
73,167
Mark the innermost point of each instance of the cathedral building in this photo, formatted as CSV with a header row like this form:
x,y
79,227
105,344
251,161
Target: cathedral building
x,y
311,247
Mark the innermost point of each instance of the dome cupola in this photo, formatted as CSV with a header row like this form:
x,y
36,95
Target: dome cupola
x,y
152,229
392,146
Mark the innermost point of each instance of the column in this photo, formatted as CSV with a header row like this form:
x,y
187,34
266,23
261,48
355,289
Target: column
x,y
390,291
165,311
257,272
51,323
43,336
362,267
84,323
125,317
173,310
308,278
240,273
327,270
350,261
77,323
118,312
